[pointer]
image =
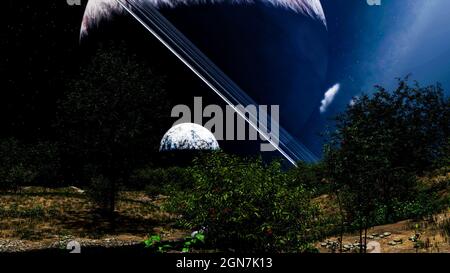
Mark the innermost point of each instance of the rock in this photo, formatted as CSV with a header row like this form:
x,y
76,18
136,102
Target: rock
x,y
392,243
76,190
370,237
381,236
323,244
375,234
386,234
398,240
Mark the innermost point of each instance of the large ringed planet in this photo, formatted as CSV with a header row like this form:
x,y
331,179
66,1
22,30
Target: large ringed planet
x,y
99,10
274,50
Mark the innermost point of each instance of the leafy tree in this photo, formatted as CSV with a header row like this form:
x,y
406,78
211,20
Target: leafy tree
x,y
381,142
111,118
310,176
247,206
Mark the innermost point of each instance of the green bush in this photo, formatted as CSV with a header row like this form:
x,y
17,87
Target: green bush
x,y
101,192
311,176
44,157
161,181
246,206
26,164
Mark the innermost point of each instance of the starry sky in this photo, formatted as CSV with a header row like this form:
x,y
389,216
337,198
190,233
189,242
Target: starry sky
x,y
368,45
375,44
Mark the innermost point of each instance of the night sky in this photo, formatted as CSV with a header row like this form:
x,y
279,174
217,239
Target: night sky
x,y
368,45
372,45
375,44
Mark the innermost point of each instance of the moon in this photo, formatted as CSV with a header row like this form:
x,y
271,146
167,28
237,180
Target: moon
x,y
188,136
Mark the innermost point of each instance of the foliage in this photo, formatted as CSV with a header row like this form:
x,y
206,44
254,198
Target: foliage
x,y
161,180
25,164
111,117
156,244
312,176
15,211
99,192
246,205
410,125
381,143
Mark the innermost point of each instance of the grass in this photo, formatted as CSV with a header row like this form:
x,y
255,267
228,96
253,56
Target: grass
x,y
433,236
37,214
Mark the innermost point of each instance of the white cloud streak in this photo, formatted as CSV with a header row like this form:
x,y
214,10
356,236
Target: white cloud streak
x,y
329,97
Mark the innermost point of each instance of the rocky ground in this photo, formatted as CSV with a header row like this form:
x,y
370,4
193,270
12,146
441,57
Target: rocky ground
x,y
426,236
39,218
18,245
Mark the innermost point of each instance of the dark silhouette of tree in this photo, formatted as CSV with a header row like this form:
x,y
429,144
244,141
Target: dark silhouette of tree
x,y
111,120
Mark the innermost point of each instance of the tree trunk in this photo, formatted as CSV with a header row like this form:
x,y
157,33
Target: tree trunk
x,y
112,204
365,239
360,237
341,212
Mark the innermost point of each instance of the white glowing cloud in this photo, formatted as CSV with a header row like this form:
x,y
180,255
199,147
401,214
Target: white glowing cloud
x,y
329,97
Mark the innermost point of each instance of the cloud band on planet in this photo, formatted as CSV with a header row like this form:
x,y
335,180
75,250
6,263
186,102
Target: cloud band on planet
x,y
147,14
97,10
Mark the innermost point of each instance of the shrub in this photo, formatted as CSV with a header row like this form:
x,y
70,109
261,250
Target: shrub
x,y
101,192
161,181
311,176
246,205
44,156
24,164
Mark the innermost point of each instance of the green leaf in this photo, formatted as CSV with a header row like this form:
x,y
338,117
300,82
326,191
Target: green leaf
x,y
200,237
185,250
155,238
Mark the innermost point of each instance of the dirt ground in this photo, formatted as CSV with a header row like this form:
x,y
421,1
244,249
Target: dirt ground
x,y
39,218
432,237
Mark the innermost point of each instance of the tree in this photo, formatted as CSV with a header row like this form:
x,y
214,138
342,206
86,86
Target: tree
x,y
111,118
246,205
310,176
381,142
